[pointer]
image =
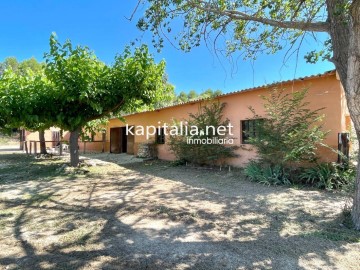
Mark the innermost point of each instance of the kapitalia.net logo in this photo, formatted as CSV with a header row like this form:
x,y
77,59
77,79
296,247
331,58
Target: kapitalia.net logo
x,y
193,134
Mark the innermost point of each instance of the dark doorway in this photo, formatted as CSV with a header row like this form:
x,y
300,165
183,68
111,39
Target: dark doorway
x,y
120,142
123,140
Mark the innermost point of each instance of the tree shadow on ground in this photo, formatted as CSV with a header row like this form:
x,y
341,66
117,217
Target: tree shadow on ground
x,y
139,219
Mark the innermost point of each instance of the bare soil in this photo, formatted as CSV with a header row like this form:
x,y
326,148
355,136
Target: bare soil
x,y
117,212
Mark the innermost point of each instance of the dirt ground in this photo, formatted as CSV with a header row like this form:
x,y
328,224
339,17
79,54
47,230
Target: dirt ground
x,y
121,213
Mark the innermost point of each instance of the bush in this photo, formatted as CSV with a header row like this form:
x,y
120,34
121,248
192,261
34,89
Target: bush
x,y
267,174
213,153
330,176
290,132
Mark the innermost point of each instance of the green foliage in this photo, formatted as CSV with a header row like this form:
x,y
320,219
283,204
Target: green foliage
x,y
25,100
288,136
291,132
193,95
86,89
75,87
324,54
267,174
252,27
208,115
93,127
22,85
182,97
21,68
330,176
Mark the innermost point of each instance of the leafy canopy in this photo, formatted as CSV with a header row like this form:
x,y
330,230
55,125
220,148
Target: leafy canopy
x,y
21,68
25,99
250,26
86,89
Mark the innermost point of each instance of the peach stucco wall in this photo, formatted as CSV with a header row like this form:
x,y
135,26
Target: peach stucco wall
x,y
324,92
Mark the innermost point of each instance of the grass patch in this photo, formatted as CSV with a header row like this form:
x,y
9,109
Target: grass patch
x,y
336,234
20,167
341,229
38,198
78,237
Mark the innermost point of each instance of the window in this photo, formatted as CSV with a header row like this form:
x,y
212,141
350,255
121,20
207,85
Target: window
x,y
249,129
160,136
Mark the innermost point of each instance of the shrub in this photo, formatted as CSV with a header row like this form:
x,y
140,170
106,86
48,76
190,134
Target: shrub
x,y
330,176
213,153
267,174
290,132
287,137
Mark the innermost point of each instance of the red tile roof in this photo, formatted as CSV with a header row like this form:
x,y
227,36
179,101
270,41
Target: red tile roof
x,y
327,73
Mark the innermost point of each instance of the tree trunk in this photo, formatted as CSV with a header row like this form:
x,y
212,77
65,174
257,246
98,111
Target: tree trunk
x,y
340,34
74,148
353,95
345,39
22,138
42,142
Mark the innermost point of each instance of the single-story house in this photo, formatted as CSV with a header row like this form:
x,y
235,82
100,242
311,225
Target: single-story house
x,y
324,91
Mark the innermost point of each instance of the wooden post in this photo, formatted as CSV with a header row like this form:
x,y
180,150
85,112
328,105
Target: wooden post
x,y
26,147
22,139
30,147
84,147
60,148
103,142
35,148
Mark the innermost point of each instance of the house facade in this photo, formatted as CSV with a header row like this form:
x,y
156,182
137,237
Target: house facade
x,y
324,91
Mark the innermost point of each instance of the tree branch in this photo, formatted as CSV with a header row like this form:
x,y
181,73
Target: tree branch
x,y
239,15
134,11
117,106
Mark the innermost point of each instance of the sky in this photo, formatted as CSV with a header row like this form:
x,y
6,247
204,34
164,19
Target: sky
x,y
26,25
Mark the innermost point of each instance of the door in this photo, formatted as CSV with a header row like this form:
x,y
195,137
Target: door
x,y
115,140
120,142
130,138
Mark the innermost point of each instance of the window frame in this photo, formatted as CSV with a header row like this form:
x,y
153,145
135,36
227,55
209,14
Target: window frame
x,y
245,127
160,136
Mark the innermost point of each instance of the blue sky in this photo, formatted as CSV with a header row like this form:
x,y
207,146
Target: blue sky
x,y
26,25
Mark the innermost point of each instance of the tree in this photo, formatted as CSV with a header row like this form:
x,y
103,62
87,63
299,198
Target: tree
x,y
192,95
9,63
21,68
209,93
24,75
86,89
24,102
290,133
182,97
265,26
